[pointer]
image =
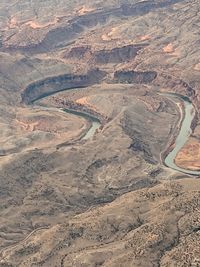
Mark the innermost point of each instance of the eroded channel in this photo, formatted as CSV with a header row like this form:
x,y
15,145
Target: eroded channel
x,y
182,138
184,133
94,122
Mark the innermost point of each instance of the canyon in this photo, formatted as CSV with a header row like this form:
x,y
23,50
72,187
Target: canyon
x,y
88,118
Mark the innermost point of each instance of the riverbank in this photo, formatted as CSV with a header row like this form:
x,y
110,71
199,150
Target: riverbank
x,y
93,120
186,123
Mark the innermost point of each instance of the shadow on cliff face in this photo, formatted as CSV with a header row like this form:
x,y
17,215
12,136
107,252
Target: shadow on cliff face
x,y
51,85
135,76
69,31
80,24
104,56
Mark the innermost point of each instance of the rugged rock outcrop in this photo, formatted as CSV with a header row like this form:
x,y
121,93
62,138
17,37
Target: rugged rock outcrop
x,y
107,200
67,32
51,85
104,56
135,76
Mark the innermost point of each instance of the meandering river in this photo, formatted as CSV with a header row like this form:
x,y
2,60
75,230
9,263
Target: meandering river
x,y
94,122
184,133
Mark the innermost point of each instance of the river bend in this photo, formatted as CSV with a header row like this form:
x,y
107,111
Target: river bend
x,y
184,133
182,138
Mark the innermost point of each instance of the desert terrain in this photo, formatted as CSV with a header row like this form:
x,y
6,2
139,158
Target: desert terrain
x,y
86,126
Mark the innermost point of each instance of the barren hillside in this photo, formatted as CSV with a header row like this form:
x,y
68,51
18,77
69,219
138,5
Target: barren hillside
x,y
86,125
